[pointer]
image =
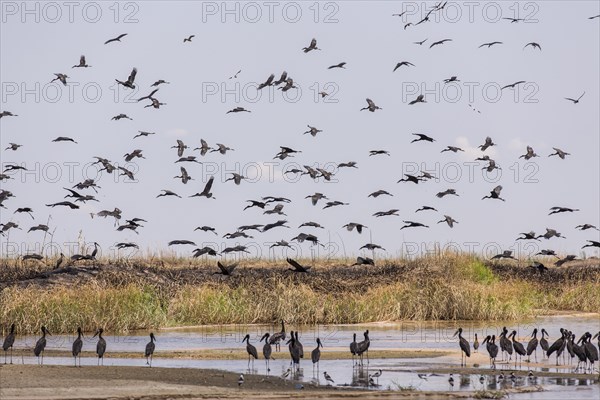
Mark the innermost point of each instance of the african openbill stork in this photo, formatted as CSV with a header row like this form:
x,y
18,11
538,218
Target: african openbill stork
x,y
40,345
100,346
267,350
532,345
8,342
464,346
77,346
252,353
150,349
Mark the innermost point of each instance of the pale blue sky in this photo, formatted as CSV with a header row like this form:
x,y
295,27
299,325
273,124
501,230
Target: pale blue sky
x,y
371,41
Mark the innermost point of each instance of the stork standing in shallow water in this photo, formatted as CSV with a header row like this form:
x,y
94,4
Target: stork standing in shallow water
x,y
252,353
77,346
465,348
40,345
100,346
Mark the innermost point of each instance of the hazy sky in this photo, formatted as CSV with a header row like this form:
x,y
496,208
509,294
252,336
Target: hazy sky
x,y
259,38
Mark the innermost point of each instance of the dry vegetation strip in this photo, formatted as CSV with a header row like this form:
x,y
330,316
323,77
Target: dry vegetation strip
x,y
121,296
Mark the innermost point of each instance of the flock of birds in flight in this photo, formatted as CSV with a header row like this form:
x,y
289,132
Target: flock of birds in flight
x,y
582,350
274,205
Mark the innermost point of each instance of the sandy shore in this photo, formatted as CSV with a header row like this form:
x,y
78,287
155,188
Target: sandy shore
x,y
62,382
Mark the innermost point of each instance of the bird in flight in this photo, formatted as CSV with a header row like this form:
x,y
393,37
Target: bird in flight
x,y
490,44
340,65
512,85
575,101
237,110
453,149
117,39
488,143
494,194
235,75
82,63
206,191
189,38
513,20
530,153
440,42
421,42
312,46
64,139
420,99
297,266
401,64
160,82
60,77
422,137
129,82
534,45
560,153
371,106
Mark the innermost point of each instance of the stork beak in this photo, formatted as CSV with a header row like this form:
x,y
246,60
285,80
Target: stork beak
x,y
455,333
596,335
95,334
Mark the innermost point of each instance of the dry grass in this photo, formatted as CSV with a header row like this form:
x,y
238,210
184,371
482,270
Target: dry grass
x,y
139,294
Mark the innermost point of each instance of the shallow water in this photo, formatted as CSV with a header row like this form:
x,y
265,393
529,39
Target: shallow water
x,y
397,373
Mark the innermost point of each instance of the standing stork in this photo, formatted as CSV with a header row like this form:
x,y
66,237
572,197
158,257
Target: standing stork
x,y
100,346
492,349
519,348
558,346
464,347
252,353
8,342
267,349
77,346
532,345
353,350
294,351
544,343
278,337
315,356
40,345
363,347
150,349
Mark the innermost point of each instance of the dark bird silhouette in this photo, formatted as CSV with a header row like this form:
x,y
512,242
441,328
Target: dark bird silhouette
x,y
60,77
205,250
9,340
530,153
532,345
558,210
422,137
82,63
527,236
492,349
591,243
40,345
575,101
387,213
278,337
167,193
420,99
421,42
149,352
149,96
340,65
120,117
362,347
185,177
504,254
297,266
268,82
251,350
487,144
226,269
371,106
558,346
100,346
29,211
13,146
280,223
364,261
403,64
204,147
206,191
189,38
130,79
583,227
452,79
351,225
117,39
513,20
315,355
174,242
380,192
77,346
378,152
446,193
64,203
490,44
449,220
33,256
560,153
494,194
312,46
465,348
440,42
7,114
550,233
160,82
312,130
267,349
412,224
410,178
533,45
425,208
64,139
512,85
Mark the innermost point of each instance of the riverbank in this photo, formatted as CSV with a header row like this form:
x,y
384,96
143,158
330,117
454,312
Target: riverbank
x,y
148,294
